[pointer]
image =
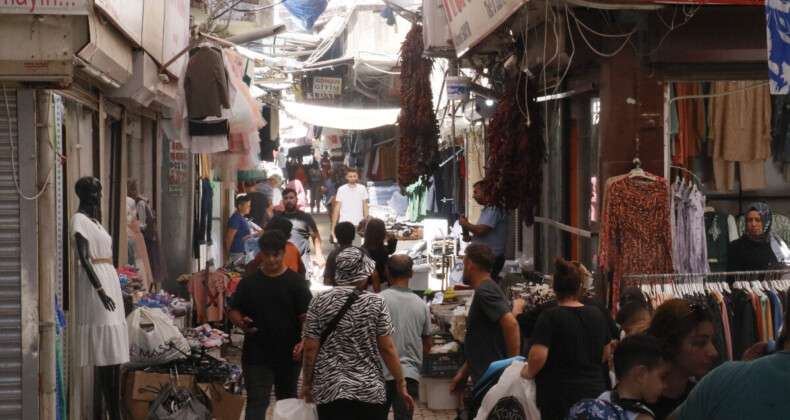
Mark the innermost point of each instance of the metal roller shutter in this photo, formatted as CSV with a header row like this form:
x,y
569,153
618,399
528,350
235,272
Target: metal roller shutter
x,y
10,267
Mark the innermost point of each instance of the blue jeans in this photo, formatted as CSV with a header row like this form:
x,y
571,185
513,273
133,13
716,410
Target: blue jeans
x,y
206,207
259,381
399,410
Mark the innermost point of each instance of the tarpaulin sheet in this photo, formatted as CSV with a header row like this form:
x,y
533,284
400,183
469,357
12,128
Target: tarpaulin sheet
x,y
342,118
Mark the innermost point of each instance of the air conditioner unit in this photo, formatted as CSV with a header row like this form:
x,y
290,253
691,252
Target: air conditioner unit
x,y
142,86
436,32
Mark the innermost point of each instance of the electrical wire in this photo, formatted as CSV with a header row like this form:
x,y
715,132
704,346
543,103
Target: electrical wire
x,y
13,162
255,9
586,41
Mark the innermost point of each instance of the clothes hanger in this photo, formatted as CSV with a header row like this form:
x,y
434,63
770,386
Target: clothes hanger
x,y
638,172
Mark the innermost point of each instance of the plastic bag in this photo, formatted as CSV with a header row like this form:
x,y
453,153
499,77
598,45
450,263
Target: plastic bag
x,y
294,409
512,397
153,339
305,12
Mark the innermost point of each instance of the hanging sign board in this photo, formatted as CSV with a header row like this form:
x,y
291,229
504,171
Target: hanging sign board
x,y
471,21
327,85
45,7
177,183
127,15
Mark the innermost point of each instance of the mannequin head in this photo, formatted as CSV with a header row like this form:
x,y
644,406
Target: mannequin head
x,y
88,190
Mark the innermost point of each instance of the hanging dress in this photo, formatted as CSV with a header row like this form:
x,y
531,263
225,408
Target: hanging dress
x,y
101,334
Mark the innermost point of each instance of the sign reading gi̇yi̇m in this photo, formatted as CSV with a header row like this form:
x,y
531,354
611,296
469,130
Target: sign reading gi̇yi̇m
x,y
177,182
45,7
328,85
472,20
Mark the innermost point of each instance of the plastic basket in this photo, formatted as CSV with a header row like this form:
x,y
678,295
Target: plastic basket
x,y
442,365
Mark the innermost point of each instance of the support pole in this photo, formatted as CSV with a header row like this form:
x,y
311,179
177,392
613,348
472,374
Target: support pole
x,y
46,251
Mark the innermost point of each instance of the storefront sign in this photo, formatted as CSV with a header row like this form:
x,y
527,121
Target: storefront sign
x,y
127,15
176,36
45,7
327,85
177,184
471,21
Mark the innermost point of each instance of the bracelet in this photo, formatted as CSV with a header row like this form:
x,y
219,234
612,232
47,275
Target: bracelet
x,y
402,383
100,289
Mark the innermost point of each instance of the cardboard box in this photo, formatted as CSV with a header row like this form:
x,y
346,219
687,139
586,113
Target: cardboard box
x,y
138,389
225,405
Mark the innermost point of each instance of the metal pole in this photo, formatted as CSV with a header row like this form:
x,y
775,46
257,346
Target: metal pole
x,y
46,250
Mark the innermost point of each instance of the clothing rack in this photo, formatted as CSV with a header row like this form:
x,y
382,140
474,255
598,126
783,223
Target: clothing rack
x,y
446,161
200,38
714,274
689,172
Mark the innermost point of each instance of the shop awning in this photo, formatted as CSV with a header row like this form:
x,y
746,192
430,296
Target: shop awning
x,y
341,118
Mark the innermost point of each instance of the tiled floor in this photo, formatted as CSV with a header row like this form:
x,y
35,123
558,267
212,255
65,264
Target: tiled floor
x,y
421,413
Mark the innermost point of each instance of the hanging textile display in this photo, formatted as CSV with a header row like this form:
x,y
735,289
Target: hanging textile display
x,y
636,233
419,132
738,136
690,245
514,174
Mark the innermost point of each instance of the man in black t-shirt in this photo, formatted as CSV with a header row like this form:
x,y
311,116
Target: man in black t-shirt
x,y
270,306
304,229
491,329
258,204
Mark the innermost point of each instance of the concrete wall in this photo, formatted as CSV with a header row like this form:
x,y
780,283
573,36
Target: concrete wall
x,y
176,220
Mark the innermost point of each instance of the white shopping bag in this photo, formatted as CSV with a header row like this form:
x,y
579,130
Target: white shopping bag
x,y
294,409
513,397
153,339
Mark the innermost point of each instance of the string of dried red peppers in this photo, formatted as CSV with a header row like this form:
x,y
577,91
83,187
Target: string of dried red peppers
x,y
517,150
419,132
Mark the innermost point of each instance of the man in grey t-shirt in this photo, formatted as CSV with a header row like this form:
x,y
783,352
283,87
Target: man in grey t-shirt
x,y
491,329
412,321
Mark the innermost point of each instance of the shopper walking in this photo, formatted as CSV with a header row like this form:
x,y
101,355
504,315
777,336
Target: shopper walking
x,y
686,330
375,235
569,343
282,159
351,201
345,233
304,229
741,390
336,180
491,229
270,306
412,336
491,329
316,179
343,350
259,204
238,231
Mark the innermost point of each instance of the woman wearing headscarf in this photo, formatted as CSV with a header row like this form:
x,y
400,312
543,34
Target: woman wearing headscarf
x,y
342,371
758,248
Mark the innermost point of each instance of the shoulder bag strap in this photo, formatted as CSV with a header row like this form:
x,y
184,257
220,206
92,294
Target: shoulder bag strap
x,y
330,327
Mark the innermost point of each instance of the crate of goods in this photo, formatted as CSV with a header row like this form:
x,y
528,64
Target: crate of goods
x,y
442,364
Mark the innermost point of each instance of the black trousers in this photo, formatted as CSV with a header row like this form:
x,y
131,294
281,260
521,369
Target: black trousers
x,y
499,262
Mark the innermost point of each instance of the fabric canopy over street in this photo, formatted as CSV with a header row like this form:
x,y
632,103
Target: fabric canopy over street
x,y
341,118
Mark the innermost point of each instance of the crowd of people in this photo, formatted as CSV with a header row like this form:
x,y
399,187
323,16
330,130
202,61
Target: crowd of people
x,y
359,346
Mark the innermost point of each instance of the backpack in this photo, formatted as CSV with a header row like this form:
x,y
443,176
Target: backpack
x,y
150,220
594,409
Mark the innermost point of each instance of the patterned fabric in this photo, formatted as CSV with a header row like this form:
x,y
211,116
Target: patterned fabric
x,y
778,31
637,235
348,365
592,409
352,265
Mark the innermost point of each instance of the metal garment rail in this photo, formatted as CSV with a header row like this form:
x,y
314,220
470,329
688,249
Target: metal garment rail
x,y
717,274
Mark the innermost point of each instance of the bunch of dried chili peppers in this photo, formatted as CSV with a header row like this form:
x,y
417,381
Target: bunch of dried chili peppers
x,y
419,132
517,150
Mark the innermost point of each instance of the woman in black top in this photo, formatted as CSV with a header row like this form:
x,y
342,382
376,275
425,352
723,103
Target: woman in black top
x,y
686,330
758,248
375,235
569,343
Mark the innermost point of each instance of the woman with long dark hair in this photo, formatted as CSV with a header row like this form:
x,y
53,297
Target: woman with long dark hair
x,y
375,236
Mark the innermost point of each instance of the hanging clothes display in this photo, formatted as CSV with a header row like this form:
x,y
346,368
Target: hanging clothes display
x,y
739,124
636,233
689,241
717,239
688,142
742,314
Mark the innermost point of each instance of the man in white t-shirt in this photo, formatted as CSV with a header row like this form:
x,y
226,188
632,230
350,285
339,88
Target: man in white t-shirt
x,y
351,202
281,159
